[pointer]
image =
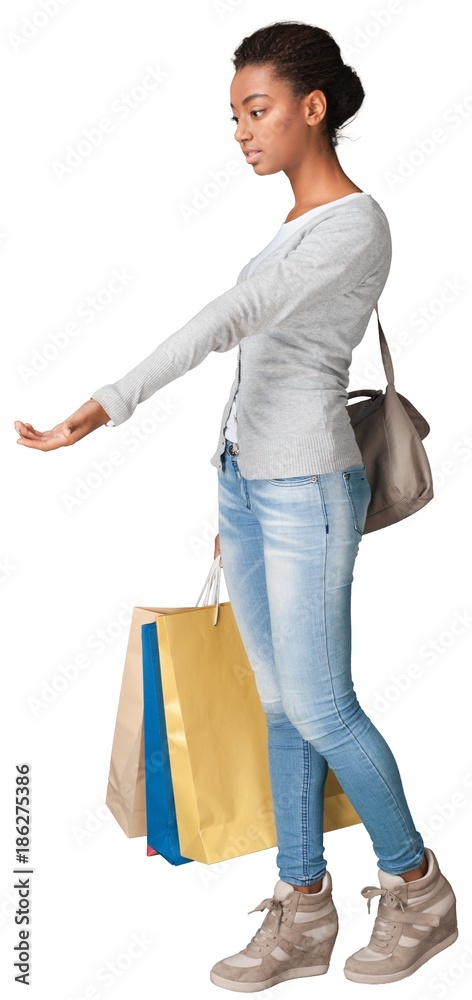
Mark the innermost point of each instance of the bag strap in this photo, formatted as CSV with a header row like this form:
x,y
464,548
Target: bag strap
x,y
384,350
210,591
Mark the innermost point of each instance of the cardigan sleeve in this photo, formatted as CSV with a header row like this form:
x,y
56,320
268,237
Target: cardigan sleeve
x,y
331,259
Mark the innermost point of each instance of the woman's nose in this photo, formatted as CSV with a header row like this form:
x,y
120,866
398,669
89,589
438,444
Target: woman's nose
x,y
242,133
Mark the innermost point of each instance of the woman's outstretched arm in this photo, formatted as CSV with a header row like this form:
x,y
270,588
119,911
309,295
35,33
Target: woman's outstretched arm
x,y
330,260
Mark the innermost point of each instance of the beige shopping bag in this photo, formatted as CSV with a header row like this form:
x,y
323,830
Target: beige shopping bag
x,y
126,790
126,793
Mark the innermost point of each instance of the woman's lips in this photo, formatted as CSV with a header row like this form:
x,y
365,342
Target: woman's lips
x,y
252,155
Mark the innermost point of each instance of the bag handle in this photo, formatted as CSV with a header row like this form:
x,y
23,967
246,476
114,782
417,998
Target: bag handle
x,y
210,591
386,361
386,356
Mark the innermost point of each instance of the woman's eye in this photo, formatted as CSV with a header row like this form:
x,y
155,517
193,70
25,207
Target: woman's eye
x,y
257,111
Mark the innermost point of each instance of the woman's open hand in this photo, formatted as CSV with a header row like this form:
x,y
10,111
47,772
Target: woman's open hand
x,y
86,419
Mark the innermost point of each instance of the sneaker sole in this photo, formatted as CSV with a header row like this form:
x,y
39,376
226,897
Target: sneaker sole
x,y
358,977
228,984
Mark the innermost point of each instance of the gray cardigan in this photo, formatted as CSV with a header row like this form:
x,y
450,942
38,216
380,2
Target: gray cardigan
x,y
297,320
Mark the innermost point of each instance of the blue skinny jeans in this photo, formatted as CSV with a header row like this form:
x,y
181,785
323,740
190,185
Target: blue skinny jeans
x,y
288,548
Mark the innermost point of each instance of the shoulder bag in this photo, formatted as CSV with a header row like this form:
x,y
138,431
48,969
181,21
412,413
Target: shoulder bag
x,y
389,431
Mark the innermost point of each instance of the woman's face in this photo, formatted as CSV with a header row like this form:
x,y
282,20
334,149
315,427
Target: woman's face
x,y
270,120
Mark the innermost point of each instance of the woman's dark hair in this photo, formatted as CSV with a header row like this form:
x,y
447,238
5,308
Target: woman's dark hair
x,y
307,58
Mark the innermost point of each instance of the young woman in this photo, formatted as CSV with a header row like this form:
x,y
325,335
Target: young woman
x,y
293,497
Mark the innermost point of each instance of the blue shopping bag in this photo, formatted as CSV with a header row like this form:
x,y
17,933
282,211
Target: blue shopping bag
x,y
162,831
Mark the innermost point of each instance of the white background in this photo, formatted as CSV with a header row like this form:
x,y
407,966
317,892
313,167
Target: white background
x,y
145,534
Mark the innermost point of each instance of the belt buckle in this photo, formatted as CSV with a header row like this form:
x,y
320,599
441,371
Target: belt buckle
x,y
233,449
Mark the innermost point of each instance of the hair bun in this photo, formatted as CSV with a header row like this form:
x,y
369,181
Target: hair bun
x,y
346,96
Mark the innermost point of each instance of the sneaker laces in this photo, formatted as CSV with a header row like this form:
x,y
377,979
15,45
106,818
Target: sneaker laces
x,y
263,934
383,929
392,896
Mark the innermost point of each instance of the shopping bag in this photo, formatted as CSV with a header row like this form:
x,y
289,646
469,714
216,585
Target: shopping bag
x,y
162,833
126,793
221,788
217,738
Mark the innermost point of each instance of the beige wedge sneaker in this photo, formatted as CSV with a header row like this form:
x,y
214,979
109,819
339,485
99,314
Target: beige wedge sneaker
x,y
415,921
296,938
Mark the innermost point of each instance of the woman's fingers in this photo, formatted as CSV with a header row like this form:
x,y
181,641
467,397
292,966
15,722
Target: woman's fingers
x,y
25,430
43,440
27,433
217,548
59,436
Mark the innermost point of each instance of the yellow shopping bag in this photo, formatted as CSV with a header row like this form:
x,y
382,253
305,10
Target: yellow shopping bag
x,y
217,737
